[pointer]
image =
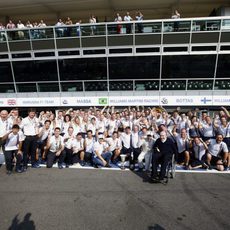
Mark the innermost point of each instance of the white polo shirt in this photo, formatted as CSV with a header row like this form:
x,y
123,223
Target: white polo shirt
x,y
215,148
12,141
89,143
77,145
114,143
99,147
30,126
56,143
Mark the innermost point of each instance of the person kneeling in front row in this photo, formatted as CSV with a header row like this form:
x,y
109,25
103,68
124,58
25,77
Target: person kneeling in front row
x,y
102,155
55,146
13,149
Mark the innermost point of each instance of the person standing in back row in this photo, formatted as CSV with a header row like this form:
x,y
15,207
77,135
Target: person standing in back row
x,y
30,127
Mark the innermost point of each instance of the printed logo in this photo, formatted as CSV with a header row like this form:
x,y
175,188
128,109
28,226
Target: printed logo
x,y
64,102
205,100
103,101
11,102
164,101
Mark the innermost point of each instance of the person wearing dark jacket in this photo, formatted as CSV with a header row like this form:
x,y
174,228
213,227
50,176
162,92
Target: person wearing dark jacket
x,y
163,150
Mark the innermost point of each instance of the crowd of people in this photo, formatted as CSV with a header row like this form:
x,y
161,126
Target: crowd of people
x,y
98,137
60,24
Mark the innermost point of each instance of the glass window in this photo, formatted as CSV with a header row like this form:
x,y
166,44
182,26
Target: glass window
x,y
7,88
223,66
96,86
134,67
188,66
83,69
222,84
173,85
200,85
44,70
71,86
120,85
26,87
146,85
48,87
5,72
177,26
204,25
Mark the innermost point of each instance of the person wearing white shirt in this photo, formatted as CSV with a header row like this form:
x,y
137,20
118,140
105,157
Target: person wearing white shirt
x,y
43,135
218,155
78,150
147,143
29,126
135,144
208,129
224,129
115,146
92,126
55,147
88,144
69,138
4,126
101,123
102,155
198,158
60,29
128,18
183,145
12,149
126,139
20,25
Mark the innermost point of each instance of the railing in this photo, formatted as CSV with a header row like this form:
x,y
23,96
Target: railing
x,y
114,28
117,85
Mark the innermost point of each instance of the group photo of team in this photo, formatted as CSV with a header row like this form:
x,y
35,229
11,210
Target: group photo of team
x,y
97,137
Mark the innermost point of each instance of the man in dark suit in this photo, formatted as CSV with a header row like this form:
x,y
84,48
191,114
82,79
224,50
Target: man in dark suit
x,y
163,150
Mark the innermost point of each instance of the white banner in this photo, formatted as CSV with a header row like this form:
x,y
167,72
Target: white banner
x,y
135,100
84,101
221,100
180,100
39,101
185,100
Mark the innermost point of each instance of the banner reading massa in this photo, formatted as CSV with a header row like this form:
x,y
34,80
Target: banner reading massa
x,y
84,101
181,100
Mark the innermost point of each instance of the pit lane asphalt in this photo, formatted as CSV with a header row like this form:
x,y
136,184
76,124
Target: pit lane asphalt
x,y
102,199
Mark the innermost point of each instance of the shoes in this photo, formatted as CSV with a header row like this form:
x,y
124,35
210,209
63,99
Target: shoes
x,y
205,166
67,166
18,171
60,166
132,167
108,165
210,167
95,166
163,181
186,167
154,179
227,168
36,166
9,172
82,163
24,168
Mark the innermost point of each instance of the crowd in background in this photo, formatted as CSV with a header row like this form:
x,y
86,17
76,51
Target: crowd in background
x,y
98,137
68,22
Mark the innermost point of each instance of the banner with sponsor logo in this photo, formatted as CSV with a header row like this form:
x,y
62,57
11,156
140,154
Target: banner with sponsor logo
x,y
185,100
84,101
179,100
135,100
